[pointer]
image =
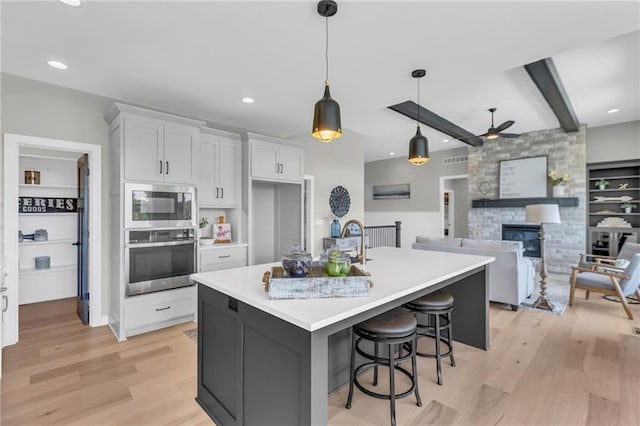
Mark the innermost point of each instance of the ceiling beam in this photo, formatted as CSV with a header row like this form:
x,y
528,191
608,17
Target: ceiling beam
x,y
433,120
545,75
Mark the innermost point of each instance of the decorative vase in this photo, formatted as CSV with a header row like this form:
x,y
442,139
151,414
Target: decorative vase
x,y
558,191
627,209
602,186
335,228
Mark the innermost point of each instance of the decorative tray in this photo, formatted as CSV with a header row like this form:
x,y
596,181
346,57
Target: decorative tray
x,y
355,284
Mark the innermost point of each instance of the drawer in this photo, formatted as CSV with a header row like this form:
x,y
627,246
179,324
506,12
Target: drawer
x,y
146,313
223,255
208,267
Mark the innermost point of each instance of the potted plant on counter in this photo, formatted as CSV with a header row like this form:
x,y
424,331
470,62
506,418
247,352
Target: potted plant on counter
x,y
205,240
602,184
627,207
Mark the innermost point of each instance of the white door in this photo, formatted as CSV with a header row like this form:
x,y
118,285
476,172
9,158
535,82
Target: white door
x,y
181,147
228,176
264,160
143,149
291,164
207,181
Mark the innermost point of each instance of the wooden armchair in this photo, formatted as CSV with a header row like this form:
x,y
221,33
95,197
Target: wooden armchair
x,y
626,252
608,279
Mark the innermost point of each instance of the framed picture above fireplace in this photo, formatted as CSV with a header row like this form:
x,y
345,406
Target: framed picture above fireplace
x,y
523,178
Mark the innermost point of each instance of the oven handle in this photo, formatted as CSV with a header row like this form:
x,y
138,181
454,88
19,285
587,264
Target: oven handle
x,y
162,244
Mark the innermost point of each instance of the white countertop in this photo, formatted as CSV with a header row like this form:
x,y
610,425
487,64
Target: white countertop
x,y
395,272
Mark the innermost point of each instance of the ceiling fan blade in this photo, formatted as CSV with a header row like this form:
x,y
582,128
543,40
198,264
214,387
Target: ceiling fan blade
x,y
505,125
509,135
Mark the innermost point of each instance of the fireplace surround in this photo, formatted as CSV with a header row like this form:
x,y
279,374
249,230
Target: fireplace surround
x,y
528,234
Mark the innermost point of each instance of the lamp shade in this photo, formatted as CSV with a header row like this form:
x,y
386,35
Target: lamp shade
x,y
326,118
542,213
418,149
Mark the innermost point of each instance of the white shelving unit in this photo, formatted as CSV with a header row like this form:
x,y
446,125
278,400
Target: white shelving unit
x,y
58,177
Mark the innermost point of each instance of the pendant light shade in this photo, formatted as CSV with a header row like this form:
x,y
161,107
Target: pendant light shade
x,y
418,145
418,149
326,118
326,115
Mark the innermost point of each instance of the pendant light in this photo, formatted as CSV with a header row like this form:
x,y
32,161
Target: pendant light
x,y
326,116
418,145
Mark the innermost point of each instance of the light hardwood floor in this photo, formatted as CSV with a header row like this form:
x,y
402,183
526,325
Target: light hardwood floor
x,y
582,368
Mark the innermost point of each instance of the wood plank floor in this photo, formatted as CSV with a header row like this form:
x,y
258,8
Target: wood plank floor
x,y
582,368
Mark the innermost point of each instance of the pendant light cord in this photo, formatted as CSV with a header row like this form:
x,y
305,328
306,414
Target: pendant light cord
x,y
326,49
418,122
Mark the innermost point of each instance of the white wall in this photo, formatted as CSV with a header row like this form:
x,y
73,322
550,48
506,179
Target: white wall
x,y
340,162
614,142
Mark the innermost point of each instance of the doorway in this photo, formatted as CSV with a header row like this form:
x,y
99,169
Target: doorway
x,y
454,206
16,146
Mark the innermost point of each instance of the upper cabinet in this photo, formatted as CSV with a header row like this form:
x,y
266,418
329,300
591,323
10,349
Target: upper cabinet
x,y
220,169
276,161
155,147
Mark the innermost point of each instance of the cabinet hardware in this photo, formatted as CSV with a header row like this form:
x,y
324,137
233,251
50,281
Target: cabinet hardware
x,y
5,303
221,192
160,166
167,166
217,193
281,168
277,168
163,309
77,243
224,257
3,289
233,304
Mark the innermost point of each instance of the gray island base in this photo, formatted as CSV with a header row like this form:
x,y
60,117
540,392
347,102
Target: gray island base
x,y
274,362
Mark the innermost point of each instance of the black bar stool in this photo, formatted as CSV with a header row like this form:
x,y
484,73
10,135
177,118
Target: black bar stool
x,y
437,306
396,327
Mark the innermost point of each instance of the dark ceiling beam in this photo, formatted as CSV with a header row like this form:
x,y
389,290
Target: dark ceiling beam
x,y
433,120
545,75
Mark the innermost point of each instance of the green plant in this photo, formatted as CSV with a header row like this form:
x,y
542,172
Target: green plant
x,y
627,206
203,222
602,182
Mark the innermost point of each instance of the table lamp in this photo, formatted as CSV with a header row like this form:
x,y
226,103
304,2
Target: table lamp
x,y
542,213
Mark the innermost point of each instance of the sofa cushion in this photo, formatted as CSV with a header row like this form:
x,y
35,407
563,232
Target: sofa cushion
x,y
494,245
450,242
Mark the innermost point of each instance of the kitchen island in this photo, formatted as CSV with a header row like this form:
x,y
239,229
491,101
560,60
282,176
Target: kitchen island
x,y
273,362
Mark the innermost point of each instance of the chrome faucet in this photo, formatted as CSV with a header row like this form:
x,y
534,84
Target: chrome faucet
x,y
362,257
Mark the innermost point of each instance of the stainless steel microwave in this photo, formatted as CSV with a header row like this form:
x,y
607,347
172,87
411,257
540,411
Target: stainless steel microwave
x,y
159,206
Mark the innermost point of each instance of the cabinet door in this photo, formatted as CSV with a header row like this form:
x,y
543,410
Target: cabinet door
x,y
181,147
264,160
291,164
207,181
228,172
143,149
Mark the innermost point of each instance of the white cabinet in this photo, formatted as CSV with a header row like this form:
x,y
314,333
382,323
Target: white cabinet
x,y
222,257
220,179
156,147
153,311
273,161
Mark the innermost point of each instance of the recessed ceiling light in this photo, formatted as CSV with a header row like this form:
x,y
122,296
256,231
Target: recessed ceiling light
x,y
613,110
74,3
57,65
392,153
445,140
248,100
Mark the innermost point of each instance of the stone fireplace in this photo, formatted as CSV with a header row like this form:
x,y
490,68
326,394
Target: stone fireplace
x,y
566,152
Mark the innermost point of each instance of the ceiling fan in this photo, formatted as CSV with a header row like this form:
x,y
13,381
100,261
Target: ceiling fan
x,y
493,132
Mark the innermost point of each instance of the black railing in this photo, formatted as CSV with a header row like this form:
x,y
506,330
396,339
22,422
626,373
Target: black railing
x,y
384,235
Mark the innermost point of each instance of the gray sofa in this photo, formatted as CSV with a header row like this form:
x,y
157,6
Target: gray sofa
x,y
511,276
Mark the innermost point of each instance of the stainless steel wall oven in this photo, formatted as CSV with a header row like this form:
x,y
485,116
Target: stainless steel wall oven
x,y
159,259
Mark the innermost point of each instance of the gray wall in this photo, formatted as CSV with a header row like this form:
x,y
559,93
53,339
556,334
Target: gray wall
x,y
614,142
44,110
424,181
461,207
